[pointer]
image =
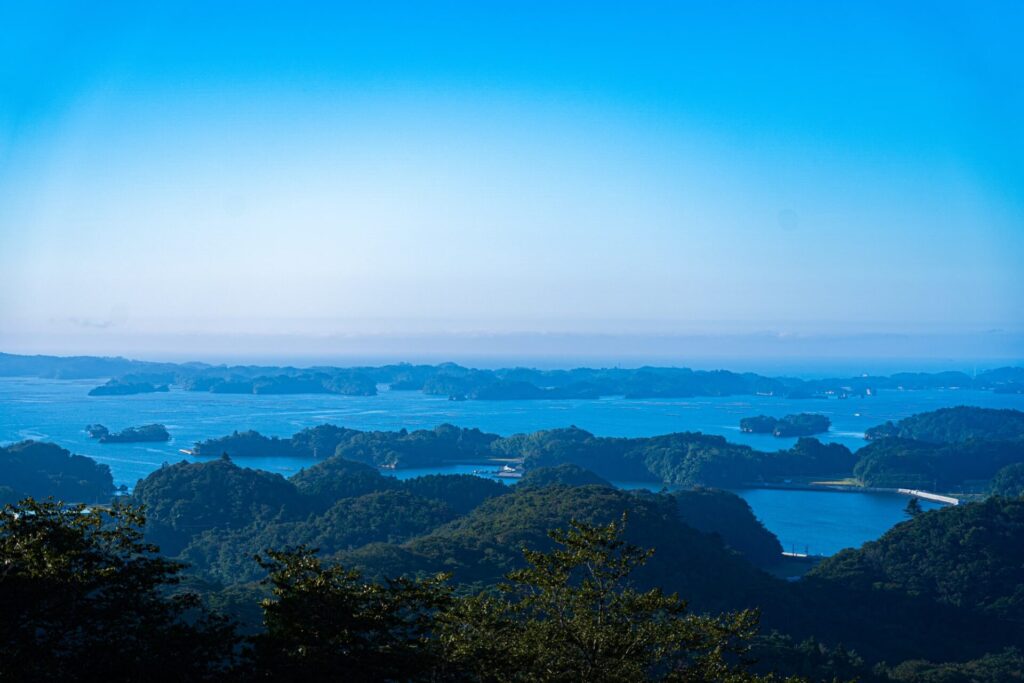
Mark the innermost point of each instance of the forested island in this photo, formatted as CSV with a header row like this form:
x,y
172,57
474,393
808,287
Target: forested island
x,y
451,380
688,458
946,449
951,425
804,424
146,433
994,441
127,386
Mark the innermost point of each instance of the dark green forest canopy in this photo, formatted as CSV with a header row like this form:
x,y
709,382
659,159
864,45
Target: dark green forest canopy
x,y
686,458
947,584
969,556
1009,481
85,599
987,440
188,498
145,433
938,596
897,462
217,515
944,449
950,425
803,424
31,468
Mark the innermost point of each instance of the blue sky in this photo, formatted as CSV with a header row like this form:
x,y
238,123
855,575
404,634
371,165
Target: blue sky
x,y
184,172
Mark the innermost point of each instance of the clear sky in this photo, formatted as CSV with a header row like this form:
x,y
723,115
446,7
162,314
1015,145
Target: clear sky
x,y
172,175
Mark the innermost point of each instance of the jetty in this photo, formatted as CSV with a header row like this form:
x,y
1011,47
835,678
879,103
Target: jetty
x,y
928,495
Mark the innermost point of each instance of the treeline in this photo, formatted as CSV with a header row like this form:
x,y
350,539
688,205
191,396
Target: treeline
x,y
569,614
145,433
804,424
31,468
954,425
449,379
687,458
955,447
936,599
944,449
216,516
941,587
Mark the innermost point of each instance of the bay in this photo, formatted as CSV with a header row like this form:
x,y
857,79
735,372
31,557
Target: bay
x,y
823,522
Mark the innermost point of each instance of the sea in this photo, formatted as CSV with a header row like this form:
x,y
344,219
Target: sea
x,y
815,522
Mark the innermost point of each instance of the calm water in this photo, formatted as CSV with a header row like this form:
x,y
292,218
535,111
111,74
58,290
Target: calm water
x,y
825,522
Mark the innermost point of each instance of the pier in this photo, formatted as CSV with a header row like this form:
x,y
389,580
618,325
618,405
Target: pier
x,y
928,495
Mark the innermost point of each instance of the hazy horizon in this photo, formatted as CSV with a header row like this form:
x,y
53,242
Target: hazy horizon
x,y
185,180
769,354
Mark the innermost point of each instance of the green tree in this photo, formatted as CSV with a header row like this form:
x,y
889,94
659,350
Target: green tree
x,y
82,598
913,508
1009,481
572,615
325,623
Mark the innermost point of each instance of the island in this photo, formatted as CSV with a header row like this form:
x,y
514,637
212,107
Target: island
x,y
949,425
118,387
502,384
146,433
950,449
804,424
344,383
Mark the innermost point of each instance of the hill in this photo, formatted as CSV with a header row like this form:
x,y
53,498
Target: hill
x,y
31,468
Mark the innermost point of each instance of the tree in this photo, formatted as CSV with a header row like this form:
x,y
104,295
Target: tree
x,y
572,615
913,508
325,623
83,598
1009,481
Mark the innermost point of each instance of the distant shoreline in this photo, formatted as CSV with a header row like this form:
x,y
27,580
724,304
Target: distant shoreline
x,y
504,384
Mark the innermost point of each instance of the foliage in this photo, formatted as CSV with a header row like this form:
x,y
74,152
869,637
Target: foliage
x,y
949,425
943,586
899,462
1009,481
336,477
483,546
969,556
566,474
248,443
146,433
687,458
325,623
31,468
999,667
392,516
186,499
804,424
423,447
84,599
760,424
460,492
810,659
572,615
348,382
730,517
